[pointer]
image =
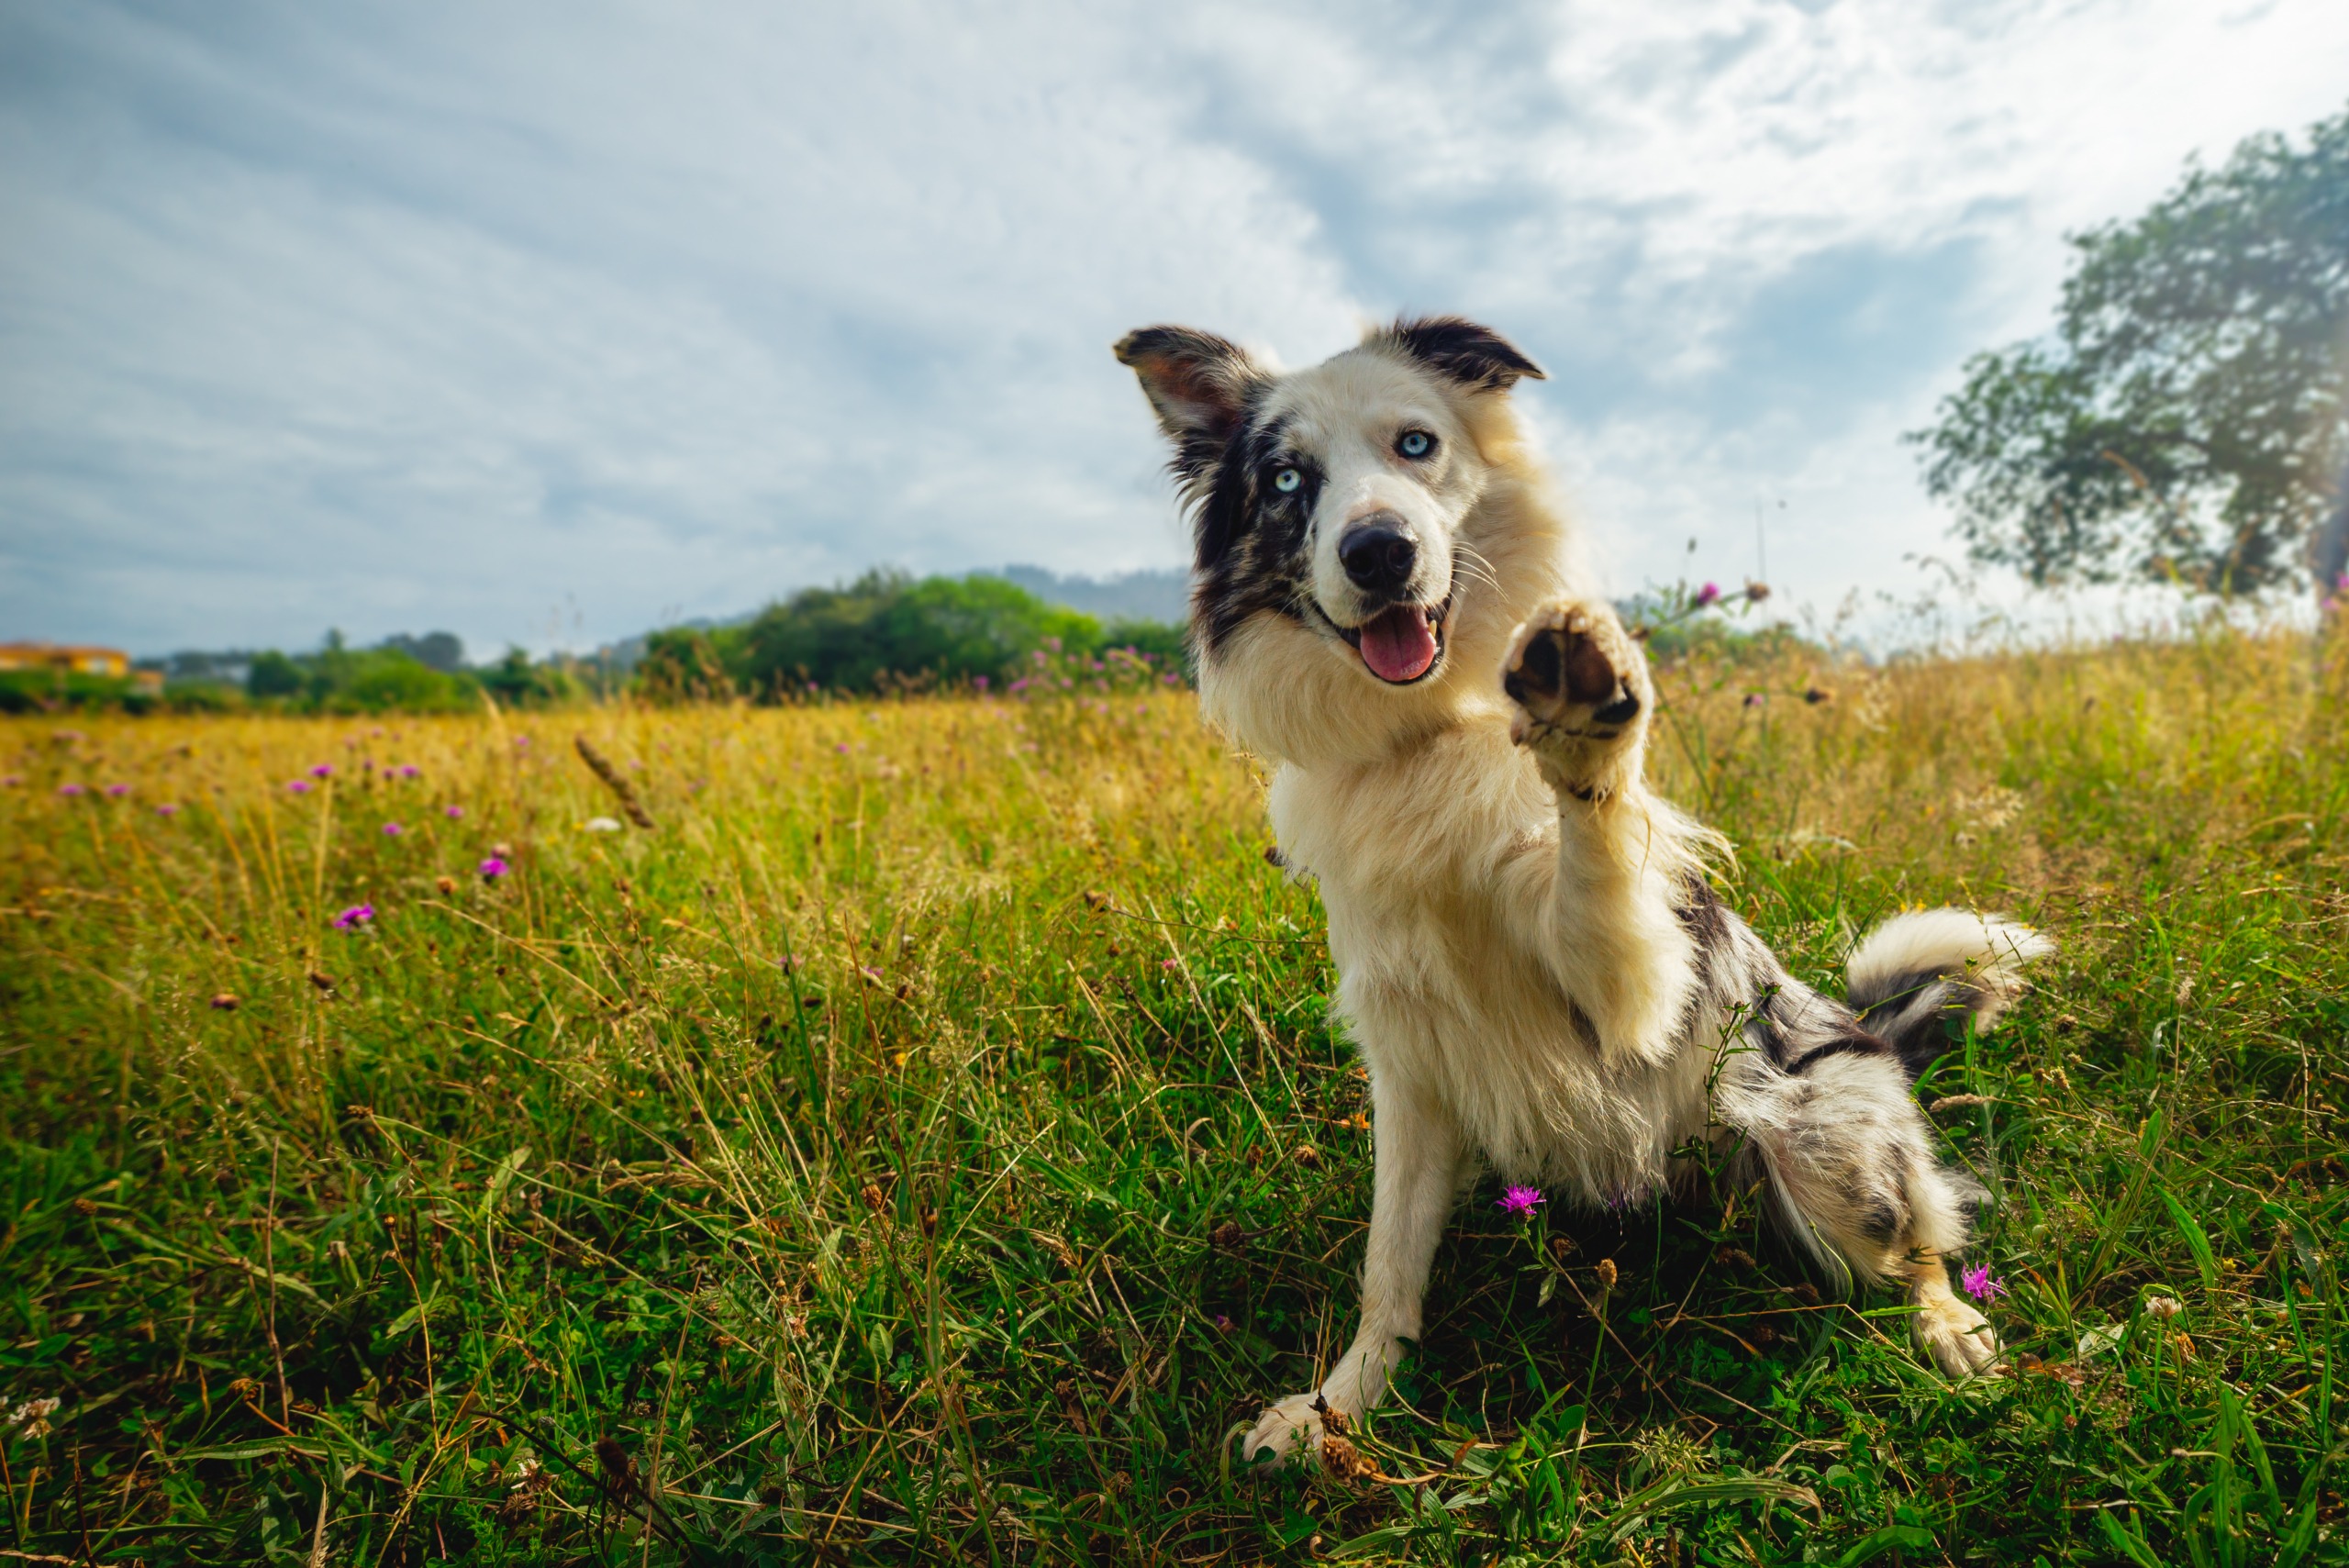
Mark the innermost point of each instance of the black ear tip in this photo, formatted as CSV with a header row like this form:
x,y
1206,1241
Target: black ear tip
x,y
1172,343
1470,353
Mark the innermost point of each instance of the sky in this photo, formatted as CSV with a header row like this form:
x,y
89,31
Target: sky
x,y
549,323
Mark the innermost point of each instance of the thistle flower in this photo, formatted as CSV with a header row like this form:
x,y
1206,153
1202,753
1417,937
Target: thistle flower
x,y
393,829
323,771
1709,593
167,810
1980,1285
453,812
410,771
493,868
1520,1201
298,787
118,790
353,917
68,789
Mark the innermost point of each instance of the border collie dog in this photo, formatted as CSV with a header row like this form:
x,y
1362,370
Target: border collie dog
x,y
1388,606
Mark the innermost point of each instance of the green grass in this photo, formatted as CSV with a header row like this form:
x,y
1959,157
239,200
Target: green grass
x,y
929,1141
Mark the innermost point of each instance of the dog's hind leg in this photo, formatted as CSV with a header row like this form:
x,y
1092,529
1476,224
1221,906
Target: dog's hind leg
x,y
1852,1166
1418,1154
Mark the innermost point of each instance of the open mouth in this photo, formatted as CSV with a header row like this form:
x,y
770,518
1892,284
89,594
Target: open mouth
x,y
1401,643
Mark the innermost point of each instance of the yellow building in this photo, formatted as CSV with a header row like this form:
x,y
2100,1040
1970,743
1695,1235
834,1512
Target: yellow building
x,y
79,661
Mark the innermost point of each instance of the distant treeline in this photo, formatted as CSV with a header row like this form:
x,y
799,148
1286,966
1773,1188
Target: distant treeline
x,y
885,632
889,632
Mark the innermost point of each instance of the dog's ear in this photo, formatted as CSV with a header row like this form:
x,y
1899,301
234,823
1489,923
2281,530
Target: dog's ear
x,y
1199,384
1478,358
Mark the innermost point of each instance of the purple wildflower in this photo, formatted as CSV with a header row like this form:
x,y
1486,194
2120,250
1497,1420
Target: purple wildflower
x,y
12,780
355,917
1520,1201
68,789
118,790
323,771
1223,1323
167,810
493,868
409,771
1166,964
1710,593
452,812
393,829
298,787
841,747
980,681
1980,1285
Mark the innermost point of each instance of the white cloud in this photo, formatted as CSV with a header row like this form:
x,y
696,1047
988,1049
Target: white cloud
x,y
544,323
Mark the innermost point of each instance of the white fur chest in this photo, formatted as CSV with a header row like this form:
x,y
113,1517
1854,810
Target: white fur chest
x,y
1439,872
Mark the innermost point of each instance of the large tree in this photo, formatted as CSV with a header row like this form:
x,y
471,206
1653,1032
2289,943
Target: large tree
x,y
2186,421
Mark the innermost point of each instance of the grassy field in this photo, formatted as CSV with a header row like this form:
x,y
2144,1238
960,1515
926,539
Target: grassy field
x,y
926,1143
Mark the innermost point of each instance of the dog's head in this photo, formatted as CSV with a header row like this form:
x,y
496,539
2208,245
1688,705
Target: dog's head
x,y
1333,506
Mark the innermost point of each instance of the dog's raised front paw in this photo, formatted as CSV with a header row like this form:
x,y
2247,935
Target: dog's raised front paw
x,y
1957,1337
1282,1433
1581,687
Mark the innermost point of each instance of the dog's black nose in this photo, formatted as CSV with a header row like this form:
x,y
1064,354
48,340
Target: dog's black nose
x,y
1377,554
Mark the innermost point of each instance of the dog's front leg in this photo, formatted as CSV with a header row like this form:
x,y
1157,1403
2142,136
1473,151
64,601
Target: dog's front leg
x,y
1617,946
1416,1155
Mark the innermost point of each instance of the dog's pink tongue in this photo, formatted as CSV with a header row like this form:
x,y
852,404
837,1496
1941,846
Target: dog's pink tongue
x,y
1397,645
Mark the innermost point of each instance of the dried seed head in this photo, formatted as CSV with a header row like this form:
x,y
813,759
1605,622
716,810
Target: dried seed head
x,y
1342,1461
1607,1273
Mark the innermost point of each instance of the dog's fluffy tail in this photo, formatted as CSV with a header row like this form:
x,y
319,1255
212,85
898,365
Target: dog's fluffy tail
x,y
1915,973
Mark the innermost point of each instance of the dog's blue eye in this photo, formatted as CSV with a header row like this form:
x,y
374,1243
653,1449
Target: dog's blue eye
x,y
1287,479
1415,443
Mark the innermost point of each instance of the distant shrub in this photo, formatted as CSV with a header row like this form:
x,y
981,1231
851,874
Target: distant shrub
x,y
682,664
273,674
202,696
383,680
34,691
886,631
517,681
